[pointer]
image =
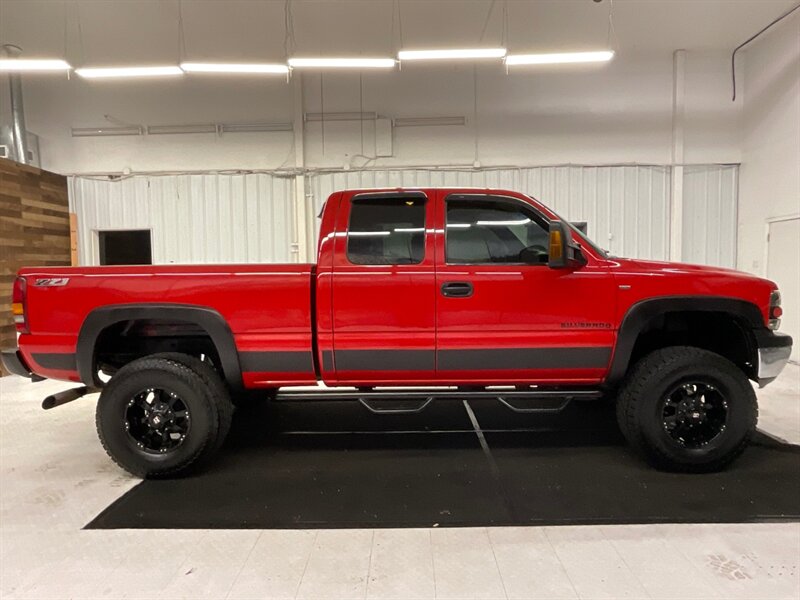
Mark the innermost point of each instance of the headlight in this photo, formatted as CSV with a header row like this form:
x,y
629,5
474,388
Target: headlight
x,y
775,310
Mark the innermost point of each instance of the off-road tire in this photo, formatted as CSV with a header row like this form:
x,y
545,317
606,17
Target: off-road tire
x,y
220,392
196,390
640,405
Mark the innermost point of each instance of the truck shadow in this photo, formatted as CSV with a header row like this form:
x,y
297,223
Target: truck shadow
x,y
336,465
342,423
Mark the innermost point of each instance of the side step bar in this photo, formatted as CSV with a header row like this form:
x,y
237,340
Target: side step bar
x,y
390,410
400,402
537,409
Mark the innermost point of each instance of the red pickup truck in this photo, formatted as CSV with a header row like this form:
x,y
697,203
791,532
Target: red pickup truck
x,y
417,294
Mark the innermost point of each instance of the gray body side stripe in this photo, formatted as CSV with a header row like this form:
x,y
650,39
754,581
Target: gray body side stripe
x,y
524,358
485,359
59,361
289,361
384,360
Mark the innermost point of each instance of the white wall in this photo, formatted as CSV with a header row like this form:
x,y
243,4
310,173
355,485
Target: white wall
x,y
210,218
594,115
215,218
770,171
769,183
591,115
626,208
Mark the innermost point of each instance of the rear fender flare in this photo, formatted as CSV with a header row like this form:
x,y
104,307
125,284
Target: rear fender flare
x,y
641,313
207,318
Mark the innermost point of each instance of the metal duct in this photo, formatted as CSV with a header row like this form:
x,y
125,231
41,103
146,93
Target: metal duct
x,y
19,132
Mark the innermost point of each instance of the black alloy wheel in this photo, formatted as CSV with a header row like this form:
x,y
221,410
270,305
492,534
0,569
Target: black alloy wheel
x,y
163,415
695,414
687,409
157,420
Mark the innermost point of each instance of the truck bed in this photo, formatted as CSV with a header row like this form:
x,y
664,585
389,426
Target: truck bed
x,y
266,307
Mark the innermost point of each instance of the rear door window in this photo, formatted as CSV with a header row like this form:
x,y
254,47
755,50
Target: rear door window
x,y
386,231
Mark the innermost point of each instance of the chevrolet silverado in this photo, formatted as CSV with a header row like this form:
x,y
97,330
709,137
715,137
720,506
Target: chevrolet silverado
x,y
417,294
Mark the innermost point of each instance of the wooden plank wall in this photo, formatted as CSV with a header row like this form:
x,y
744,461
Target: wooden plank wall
x,y
34,229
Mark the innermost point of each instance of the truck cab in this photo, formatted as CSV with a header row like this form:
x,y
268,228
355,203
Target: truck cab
x,y
459,287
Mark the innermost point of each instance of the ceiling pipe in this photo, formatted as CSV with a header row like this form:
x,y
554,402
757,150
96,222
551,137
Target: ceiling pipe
x,y
750,39
19,132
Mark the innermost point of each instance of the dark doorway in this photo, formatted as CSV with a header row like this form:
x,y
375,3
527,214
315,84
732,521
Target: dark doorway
x,y
131,247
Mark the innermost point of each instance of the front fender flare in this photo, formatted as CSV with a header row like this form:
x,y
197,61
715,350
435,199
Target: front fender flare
x,y
641,313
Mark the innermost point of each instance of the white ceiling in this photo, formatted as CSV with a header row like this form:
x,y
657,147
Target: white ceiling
x,y
136,31
591,107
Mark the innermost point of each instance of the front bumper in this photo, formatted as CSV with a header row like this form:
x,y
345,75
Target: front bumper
x,y
14,363
774,350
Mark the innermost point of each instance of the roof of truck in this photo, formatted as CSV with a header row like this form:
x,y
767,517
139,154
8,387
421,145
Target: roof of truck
x,y
419,188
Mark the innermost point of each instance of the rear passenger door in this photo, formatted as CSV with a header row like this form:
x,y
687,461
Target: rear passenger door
x,y
383,289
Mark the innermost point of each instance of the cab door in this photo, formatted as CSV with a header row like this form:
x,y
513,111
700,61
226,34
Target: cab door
x,y
504,316
383,289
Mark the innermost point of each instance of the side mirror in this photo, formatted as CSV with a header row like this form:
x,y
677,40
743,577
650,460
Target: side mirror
x,y
562,252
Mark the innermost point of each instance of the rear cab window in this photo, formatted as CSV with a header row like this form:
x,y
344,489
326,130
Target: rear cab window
x,y
386,231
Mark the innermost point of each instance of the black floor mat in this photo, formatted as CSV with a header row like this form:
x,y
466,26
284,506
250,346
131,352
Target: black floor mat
x,y
334,464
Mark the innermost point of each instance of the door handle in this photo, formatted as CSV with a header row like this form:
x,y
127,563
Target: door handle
x,y
457,289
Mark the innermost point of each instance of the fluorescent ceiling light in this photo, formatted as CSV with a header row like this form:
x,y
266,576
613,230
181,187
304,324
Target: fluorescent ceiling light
x,y
105,131
428,121
453,54
235,68
33,64
254,127
559,58
115,72
342,63
340,116
163,129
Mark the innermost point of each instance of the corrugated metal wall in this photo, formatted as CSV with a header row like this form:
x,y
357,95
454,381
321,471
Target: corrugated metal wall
x,y
710,214
211,218
626,207
249,217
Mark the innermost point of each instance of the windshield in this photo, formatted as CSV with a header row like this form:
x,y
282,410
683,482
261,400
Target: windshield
x,y
584,238
581,236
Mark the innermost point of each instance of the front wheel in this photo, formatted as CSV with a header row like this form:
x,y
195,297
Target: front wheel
x,y
687,409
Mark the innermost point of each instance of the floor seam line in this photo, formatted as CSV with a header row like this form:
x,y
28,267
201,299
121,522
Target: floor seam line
x,y
369,567
496,564
625,562
561,563
433,562
305,566
244,562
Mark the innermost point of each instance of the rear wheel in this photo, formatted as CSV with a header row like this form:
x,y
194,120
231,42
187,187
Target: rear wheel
x,y
162,416
687,409
219,391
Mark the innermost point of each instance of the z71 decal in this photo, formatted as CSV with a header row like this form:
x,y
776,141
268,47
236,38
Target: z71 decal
x,y
51,282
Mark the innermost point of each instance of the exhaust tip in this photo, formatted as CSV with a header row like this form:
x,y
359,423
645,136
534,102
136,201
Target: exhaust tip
x,y
63,397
